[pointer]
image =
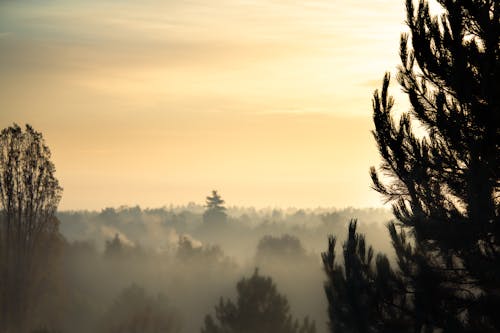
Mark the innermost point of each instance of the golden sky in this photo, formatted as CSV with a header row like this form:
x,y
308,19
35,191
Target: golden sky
x,y
158,102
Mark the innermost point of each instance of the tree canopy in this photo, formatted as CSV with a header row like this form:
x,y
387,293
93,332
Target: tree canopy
x,y
286,247
440,169
215,212
444,184
258,308
135,311
29,196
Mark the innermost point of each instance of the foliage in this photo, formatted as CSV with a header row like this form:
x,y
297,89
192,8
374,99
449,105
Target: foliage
x,y
360,292
259,308
215,212
114,247
29,196
444,185
135,311
284,247
442,182
188,253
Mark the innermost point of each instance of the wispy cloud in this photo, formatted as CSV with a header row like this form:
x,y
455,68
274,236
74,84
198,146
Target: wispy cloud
x,y
168,76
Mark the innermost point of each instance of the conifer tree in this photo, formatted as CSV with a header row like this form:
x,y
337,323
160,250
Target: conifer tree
x,y
259,308
361,292
215,212
443,183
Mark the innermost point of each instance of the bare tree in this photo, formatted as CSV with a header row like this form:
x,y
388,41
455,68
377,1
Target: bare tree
x,y
29,196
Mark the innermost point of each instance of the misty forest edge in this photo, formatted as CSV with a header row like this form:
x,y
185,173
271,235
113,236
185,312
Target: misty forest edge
x,y
443,185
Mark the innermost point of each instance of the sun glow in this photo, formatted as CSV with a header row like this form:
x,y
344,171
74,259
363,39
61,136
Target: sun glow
x,y
156,103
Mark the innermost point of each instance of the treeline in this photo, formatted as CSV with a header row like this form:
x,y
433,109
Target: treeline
x,y
194,259
190,278
153,270
238,232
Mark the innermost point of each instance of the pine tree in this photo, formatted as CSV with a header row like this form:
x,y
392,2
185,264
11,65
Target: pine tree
x,y
259,308
443,184
362,293
215,212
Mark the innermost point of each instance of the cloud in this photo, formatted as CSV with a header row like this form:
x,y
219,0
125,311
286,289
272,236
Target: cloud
x,y
132,91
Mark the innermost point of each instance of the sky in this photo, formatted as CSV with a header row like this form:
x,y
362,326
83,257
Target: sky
x,y
155,103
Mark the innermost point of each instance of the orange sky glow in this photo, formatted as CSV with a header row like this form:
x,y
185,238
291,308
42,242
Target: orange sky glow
x,y
159,102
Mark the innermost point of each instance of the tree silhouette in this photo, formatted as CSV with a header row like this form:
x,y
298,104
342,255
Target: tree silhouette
x,y
362,293
259,308
114,247
134,311
215,212
285,247
443,184
442,181
200,255
29,196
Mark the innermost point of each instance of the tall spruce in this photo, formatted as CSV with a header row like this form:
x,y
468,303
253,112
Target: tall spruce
x,y
443,183
215,214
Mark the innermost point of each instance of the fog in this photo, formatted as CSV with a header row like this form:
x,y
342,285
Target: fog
x,y
180,261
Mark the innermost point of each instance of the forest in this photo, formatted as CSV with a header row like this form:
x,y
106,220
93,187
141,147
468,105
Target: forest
x,y
431,264
192,259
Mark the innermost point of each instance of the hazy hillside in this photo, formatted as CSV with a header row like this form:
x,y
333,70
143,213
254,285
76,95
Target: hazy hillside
x,y
193,263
